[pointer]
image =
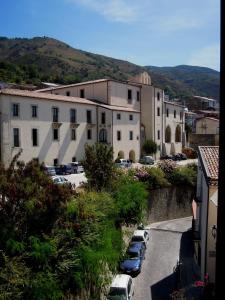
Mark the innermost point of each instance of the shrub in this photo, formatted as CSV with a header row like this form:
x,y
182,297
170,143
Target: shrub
x,y
190,152
98,165
149,147
157,178
167,166
186,175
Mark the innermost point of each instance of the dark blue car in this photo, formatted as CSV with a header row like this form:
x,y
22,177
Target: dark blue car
x,y
132,263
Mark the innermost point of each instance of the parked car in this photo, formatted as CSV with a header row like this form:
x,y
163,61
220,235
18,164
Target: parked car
x,y
50,170
123,163
140,236
61,180
122,288
63,170
183,156
147,160
76,167
133,260
167,156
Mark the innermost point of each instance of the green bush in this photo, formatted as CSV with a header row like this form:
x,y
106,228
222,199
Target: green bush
x,y
157,178
184,176
149,147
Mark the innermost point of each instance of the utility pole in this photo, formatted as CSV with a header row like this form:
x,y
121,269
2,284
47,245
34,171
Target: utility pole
x,y
220,244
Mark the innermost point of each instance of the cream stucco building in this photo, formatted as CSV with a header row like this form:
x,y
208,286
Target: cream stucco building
x,y
205,210
54,124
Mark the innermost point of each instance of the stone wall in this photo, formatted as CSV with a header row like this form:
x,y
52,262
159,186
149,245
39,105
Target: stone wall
x,y
196,140
170,203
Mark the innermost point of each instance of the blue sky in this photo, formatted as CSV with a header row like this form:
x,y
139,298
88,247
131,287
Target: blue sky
x,y
146,32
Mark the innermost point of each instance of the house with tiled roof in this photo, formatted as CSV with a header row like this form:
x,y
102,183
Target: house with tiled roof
x,y
205,210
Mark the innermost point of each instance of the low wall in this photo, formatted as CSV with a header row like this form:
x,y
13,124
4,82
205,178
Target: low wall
x,y
170,203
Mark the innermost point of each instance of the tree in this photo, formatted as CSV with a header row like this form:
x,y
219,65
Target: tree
x,y
98,165
149,147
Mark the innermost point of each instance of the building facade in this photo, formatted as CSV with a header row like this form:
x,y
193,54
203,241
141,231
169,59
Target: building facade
x,y
205,215
54,124
55,128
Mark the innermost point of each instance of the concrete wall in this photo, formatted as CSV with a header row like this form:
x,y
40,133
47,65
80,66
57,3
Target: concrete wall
x,y
207,126
173,147
169,203
92,91
47,150
211,242
118,95
124,125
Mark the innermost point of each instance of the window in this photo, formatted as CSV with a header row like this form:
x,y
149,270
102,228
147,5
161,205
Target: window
x,y
168,134
175,114
73,115
167,112
55,161
16,137
131,135
158,111
15,110
103,118
138,96
74,159
55,134
131,117
118,135
178,134
73,134
129,95
68,93
158,96
89,117
158,134
34,111
82,94
34,137
181,115
89,134
103,136
55,114
118,116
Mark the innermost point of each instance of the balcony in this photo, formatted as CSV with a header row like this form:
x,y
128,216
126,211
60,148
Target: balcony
x,y
56,125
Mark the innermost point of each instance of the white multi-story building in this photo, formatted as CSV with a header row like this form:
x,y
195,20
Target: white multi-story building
x,y
54,124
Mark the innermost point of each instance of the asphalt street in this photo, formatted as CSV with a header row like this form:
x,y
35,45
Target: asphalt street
x,y
157,278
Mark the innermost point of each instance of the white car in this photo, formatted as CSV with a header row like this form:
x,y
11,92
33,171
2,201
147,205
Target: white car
x,y
123,163
140,236
61,180
122,288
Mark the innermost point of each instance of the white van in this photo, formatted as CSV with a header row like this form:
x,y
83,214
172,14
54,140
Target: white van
x,y
122,288
140,236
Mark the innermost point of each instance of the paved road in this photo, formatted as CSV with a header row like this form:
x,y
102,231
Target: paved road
x,y
157,279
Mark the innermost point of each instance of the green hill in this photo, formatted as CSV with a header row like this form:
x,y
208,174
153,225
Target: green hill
x,y
46,59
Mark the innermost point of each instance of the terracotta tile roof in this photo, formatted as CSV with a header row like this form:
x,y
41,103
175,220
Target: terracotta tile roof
x,y
33,94
209,156
45,96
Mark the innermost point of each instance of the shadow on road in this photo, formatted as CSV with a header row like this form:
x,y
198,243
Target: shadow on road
x,y
184,275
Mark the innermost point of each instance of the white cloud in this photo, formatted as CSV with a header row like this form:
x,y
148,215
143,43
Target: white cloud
x,y
207,57
113,10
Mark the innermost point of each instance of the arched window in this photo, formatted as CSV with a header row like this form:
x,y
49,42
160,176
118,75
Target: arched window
x,y
178,134
132,156
120,154
168,134
103,136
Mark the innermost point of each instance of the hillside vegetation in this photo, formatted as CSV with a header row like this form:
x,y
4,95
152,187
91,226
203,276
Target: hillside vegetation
x,y
46,59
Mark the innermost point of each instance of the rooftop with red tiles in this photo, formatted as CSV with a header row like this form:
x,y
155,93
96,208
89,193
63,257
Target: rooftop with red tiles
x,y
210,159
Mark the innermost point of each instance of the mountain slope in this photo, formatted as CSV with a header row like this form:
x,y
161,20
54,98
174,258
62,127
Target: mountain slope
x,y
46,59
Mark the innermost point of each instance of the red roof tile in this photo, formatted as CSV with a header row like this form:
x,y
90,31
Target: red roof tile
x,y
210,159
